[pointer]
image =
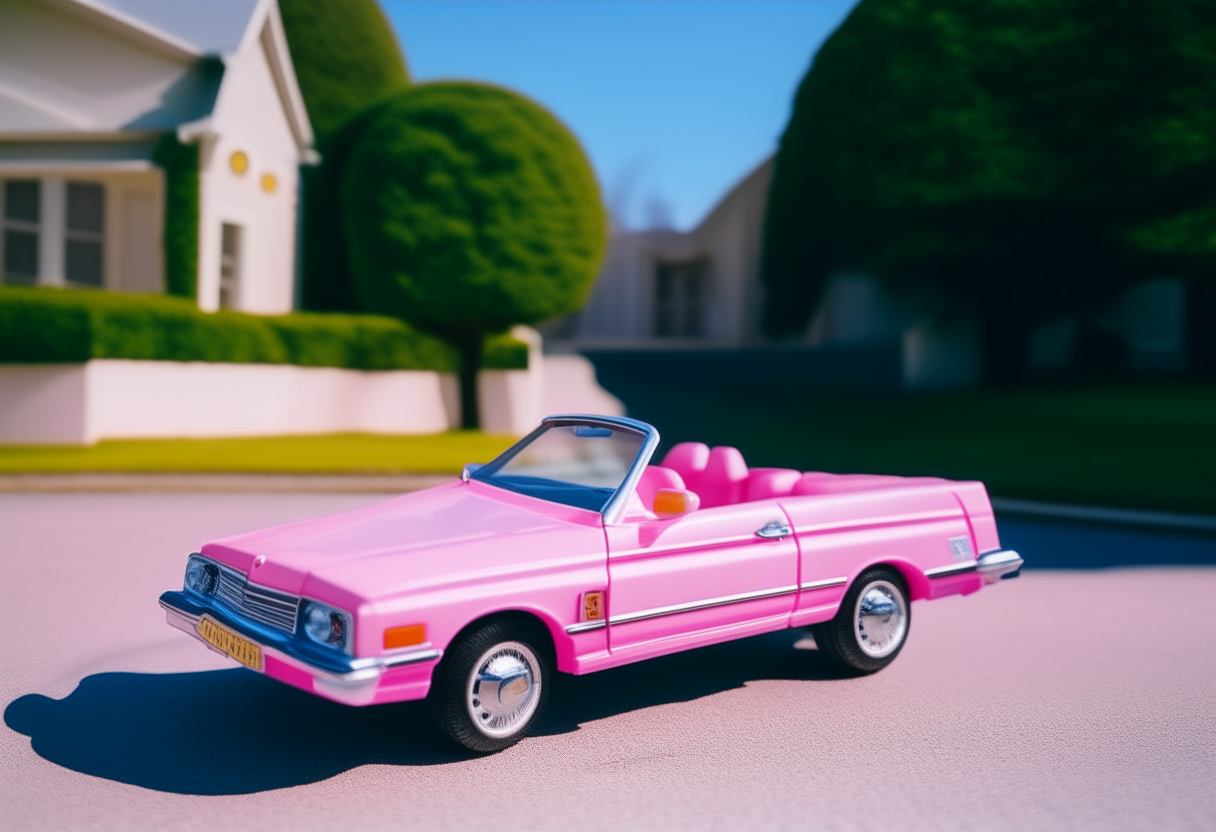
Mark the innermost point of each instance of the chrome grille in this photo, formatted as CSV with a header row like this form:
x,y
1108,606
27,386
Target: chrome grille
x,y
266,606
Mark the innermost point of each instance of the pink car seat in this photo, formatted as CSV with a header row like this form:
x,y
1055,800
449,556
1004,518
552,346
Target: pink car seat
x,y
763,483
688,459
654,478
724,480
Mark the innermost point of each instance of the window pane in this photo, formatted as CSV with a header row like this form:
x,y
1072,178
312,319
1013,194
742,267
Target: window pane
x,y
86,207
228,239
83,262
20,257
21,200
230,260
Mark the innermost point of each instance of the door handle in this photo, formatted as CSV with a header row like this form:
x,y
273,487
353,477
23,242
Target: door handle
x,y
774,530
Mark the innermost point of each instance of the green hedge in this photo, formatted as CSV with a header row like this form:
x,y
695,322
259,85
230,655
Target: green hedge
x,y
180,163
44,325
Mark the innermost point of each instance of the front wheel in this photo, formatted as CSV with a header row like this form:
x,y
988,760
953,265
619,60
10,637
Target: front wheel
x,y
871,626
492,686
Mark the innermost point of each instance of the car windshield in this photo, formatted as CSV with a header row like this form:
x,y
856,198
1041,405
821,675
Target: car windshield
x,y
576,465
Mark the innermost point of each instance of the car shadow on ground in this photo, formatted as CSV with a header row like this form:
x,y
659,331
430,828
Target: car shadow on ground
x,y
226,732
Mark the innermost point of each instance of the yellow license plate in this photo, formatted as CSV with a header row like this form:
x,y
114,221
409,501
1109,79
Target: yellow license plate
x,y
237,647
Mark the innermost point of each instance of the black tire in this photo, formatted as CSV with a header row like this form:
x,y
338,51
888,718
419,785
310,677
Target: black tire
x,y
844,640
493,661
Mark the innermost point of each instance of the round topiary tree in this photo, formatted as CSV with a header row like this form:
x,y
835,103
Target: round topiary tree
x,y
470,209
346,59
1022,160
345,56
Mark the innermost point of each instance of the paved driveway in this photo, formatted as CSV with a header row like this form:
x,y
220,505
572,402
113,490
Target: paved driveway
x,y
1062,700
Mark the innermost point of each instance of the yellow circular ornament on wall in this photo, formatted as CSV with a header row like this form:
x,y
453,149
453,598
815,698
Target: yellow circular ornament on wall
x,y
269,182
239,162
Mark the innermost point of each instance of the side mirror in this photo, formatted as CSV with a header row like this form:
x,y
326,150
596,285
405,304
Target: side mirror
x,y
469,469
675,502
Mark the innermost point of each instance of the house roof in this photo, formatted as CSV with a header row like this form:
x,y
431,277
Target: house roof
x,y
54,94
214,27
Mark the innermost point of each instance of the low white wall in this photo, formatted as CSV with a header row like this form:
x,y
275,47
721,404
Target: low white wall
x,y
43,403
115,399
514,401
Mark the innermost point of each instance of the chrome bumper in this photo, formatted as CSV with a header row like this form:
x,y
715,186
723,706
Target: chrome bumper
x,y
996,566
188,608
993,566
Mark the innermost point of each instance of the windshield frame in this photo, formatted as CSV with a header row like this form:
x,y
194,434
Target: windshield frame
x,y
616,504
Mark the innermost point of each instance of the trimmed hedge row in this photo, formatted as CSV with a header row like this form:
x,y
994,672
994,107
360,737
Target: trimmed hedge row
x,y
45,325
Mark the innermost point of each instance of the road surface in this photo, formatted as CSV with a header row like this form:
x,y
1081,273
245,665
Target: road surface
x,y
1062,700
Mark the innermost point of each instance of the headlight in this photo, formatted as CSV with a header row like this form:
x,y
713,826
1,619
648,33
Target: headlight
x,y
202,576
326,625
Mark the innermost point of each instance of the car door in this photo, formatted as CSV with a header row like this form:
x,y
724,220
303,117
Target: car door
x,y
708,576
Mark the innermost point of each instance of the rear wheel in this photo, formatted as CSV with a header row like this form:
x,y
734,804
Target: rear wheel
x,y
871,626
492,685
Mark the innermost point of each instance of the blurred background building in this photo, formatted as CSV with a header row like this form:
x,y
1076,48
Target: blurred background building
x,y
95,98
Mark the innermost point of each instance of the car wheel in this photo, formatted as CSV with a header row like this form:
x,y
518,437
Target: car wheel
x,y
871,626
492,685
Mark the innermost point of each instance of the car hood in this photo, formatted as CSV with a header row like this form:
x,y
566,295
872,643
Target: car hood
x,y
445,535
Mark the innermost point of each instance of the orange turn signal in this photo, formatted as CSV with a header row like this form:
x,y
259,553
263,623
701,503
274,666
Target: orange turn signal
x,y
404,636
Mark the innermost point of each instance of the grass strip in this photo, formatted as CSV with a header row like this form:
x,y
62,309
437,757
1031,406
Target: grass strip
x,y
344,453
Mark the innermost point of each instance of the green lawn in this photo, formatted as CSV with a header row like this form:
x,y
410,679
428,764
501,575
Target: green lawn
x,y
1135,446
348,453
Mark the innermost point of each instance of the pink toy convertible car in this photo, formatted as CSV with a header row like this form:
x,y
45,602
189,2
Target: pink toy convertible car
x,y
571,552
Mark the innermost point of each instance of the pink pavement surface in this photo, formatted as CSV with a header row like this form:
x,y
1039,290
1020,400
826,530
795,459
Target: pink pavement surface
x,y
1061,700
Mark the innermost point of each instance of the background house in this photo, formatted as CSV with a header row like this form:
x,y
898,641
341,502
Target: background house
x,y
123,122
699,292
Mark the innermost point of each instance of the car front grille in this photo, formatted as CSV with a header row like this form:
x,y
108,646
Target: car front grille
x,y
266,606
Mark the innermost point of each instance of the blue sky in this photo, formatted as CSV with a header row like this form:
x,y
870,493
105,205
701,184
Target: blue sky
x,y
674,100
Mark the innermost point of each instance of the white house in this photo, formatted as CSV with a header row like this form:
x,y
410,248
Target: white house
x,y
88,93
668,289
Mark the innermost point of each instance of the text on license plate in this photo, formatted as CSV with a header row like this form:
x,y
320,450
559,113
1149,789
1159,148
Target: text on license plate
x,y
241,649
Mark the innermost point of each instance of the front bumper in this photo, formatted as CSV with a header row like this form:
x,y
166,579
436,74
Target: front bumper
x,y
355,681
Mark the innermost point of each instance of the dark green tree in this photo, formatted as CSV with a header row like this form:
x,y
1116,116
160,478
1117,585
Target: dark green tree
x,y
1020,159
470,209
346,59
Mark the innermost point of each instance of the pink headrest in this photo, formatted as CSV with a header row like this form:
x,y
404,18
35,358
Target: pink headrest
x,y
688,459
771,482
812,482
654,478
724,478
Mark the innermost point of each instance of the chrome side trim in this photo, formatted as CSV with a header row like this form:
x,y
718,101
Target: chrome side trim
x,y
675,609
993,566
997,565
952,569
586,626
823,584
